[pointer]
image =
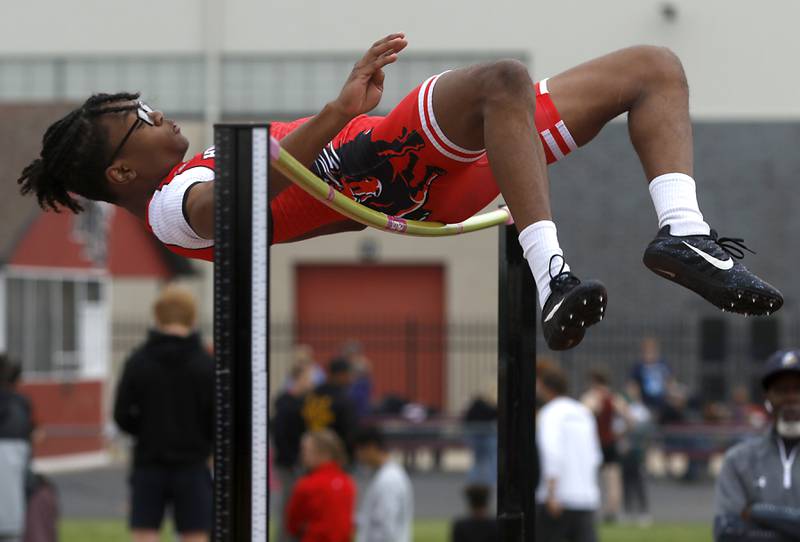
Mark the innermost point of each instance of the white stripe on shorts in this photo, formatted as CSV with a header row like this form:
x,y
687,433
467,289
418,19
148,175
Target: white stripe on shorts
x,y
543,86
564,131
428,107
551,142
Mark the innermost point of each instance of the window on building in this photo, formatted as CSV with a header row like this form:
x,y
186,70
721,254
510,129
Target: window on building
x,y
43,321
269,86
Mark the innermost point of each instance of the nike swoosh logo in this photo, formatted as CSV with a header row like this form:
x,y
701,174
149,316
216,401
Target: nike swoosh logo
x,y
553,312
719,264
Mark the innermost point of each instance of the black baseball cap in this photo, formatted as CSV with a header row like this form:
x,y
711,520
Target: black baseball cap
x,y
782,361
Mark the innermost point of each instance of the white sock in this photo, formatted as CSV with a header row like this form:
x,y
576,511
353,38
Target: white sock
x,y
675,199
539,243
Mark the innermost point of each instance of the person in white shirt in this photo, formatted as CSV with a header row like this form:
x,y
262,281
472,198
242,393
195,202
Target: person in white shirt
x,y
386,511
569,451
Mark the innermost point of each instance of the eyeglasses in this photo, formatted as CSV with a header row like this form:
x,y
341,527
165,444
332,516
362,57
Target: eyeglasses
x,y
142,115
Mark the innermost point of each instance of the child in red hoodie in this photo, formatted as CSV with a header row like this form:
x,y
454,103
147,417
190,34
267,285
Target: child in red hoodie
x,y
321,506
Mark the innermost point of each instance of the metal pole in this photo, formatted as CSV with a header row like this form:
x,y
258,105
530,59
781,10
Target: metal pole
x,y
241,333
516,463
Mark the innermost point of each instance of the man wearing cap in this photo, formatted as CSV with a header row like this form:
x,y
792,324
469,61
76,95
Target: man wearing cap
x,y
758,489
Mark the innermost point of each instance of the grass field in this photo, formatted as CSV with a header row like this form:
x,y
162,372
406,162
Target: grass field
x,y
424,531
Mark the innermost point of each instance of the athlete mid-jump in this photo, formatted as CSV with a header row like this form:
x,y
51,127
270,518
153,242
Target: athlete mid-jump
x,y
442,154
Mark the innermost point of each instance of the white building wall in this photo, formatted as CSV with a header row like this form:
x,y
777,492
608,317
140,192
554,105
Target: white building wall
x,y
45,27
731,50
734,53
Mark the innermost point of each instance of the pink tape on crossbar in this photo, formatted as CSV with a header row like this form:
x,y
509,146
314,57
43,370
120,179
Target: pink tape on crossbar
x,y
510,220
331,193
394,223
274,148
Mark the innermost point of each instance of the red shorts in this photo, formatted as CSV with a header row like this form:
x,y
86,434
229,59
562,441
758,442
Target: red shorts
x,y
404,165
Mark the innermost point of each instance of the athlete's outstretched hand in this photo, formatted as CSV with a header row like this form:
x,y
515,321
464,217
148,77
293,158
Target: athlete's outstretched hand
x,y
364,87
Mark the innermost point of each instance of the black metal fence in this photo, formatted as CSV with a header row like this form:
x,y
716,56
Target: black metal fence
x,y
444,366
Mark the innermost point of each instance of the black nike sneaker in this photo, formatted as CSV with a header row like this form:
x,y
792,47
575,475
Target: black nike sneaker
x,y
571,307
706,264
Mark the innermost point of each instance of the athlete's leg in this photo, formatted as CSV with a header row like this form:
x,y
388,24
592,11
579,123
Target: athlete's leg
x,y
649,84
487,106
646,82
492,106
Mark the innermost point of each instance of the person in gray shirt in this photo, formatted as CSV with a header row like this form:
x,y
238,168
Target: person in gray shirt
x,y
16,427
386,512
758,490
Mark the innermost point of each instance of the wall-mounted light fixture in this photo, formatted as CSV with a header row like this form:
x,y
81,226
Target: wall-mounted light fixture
x,y
669,11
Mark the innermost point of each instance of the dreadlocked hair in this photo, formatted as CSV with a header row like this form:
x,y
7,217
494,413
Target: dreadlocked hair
x,y
74,156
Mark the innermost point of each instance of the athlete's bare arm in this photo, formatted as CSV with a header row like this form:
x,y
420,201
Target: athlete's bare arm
x,y
361,93
200,209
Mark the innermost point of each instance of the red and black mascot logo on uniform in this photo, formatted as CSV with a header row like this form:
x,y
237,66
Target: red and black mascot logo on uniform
x,y
386,175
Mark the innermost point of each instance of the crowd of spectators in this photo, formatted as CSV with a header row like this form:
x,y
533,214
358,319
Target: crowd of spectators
x,y
320,442
650,410
593,445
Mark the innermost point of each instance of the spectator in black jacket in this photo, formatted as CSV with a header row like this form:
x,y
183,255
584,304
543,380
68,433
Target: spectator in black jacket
x,y
329,406
165,401
288,428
